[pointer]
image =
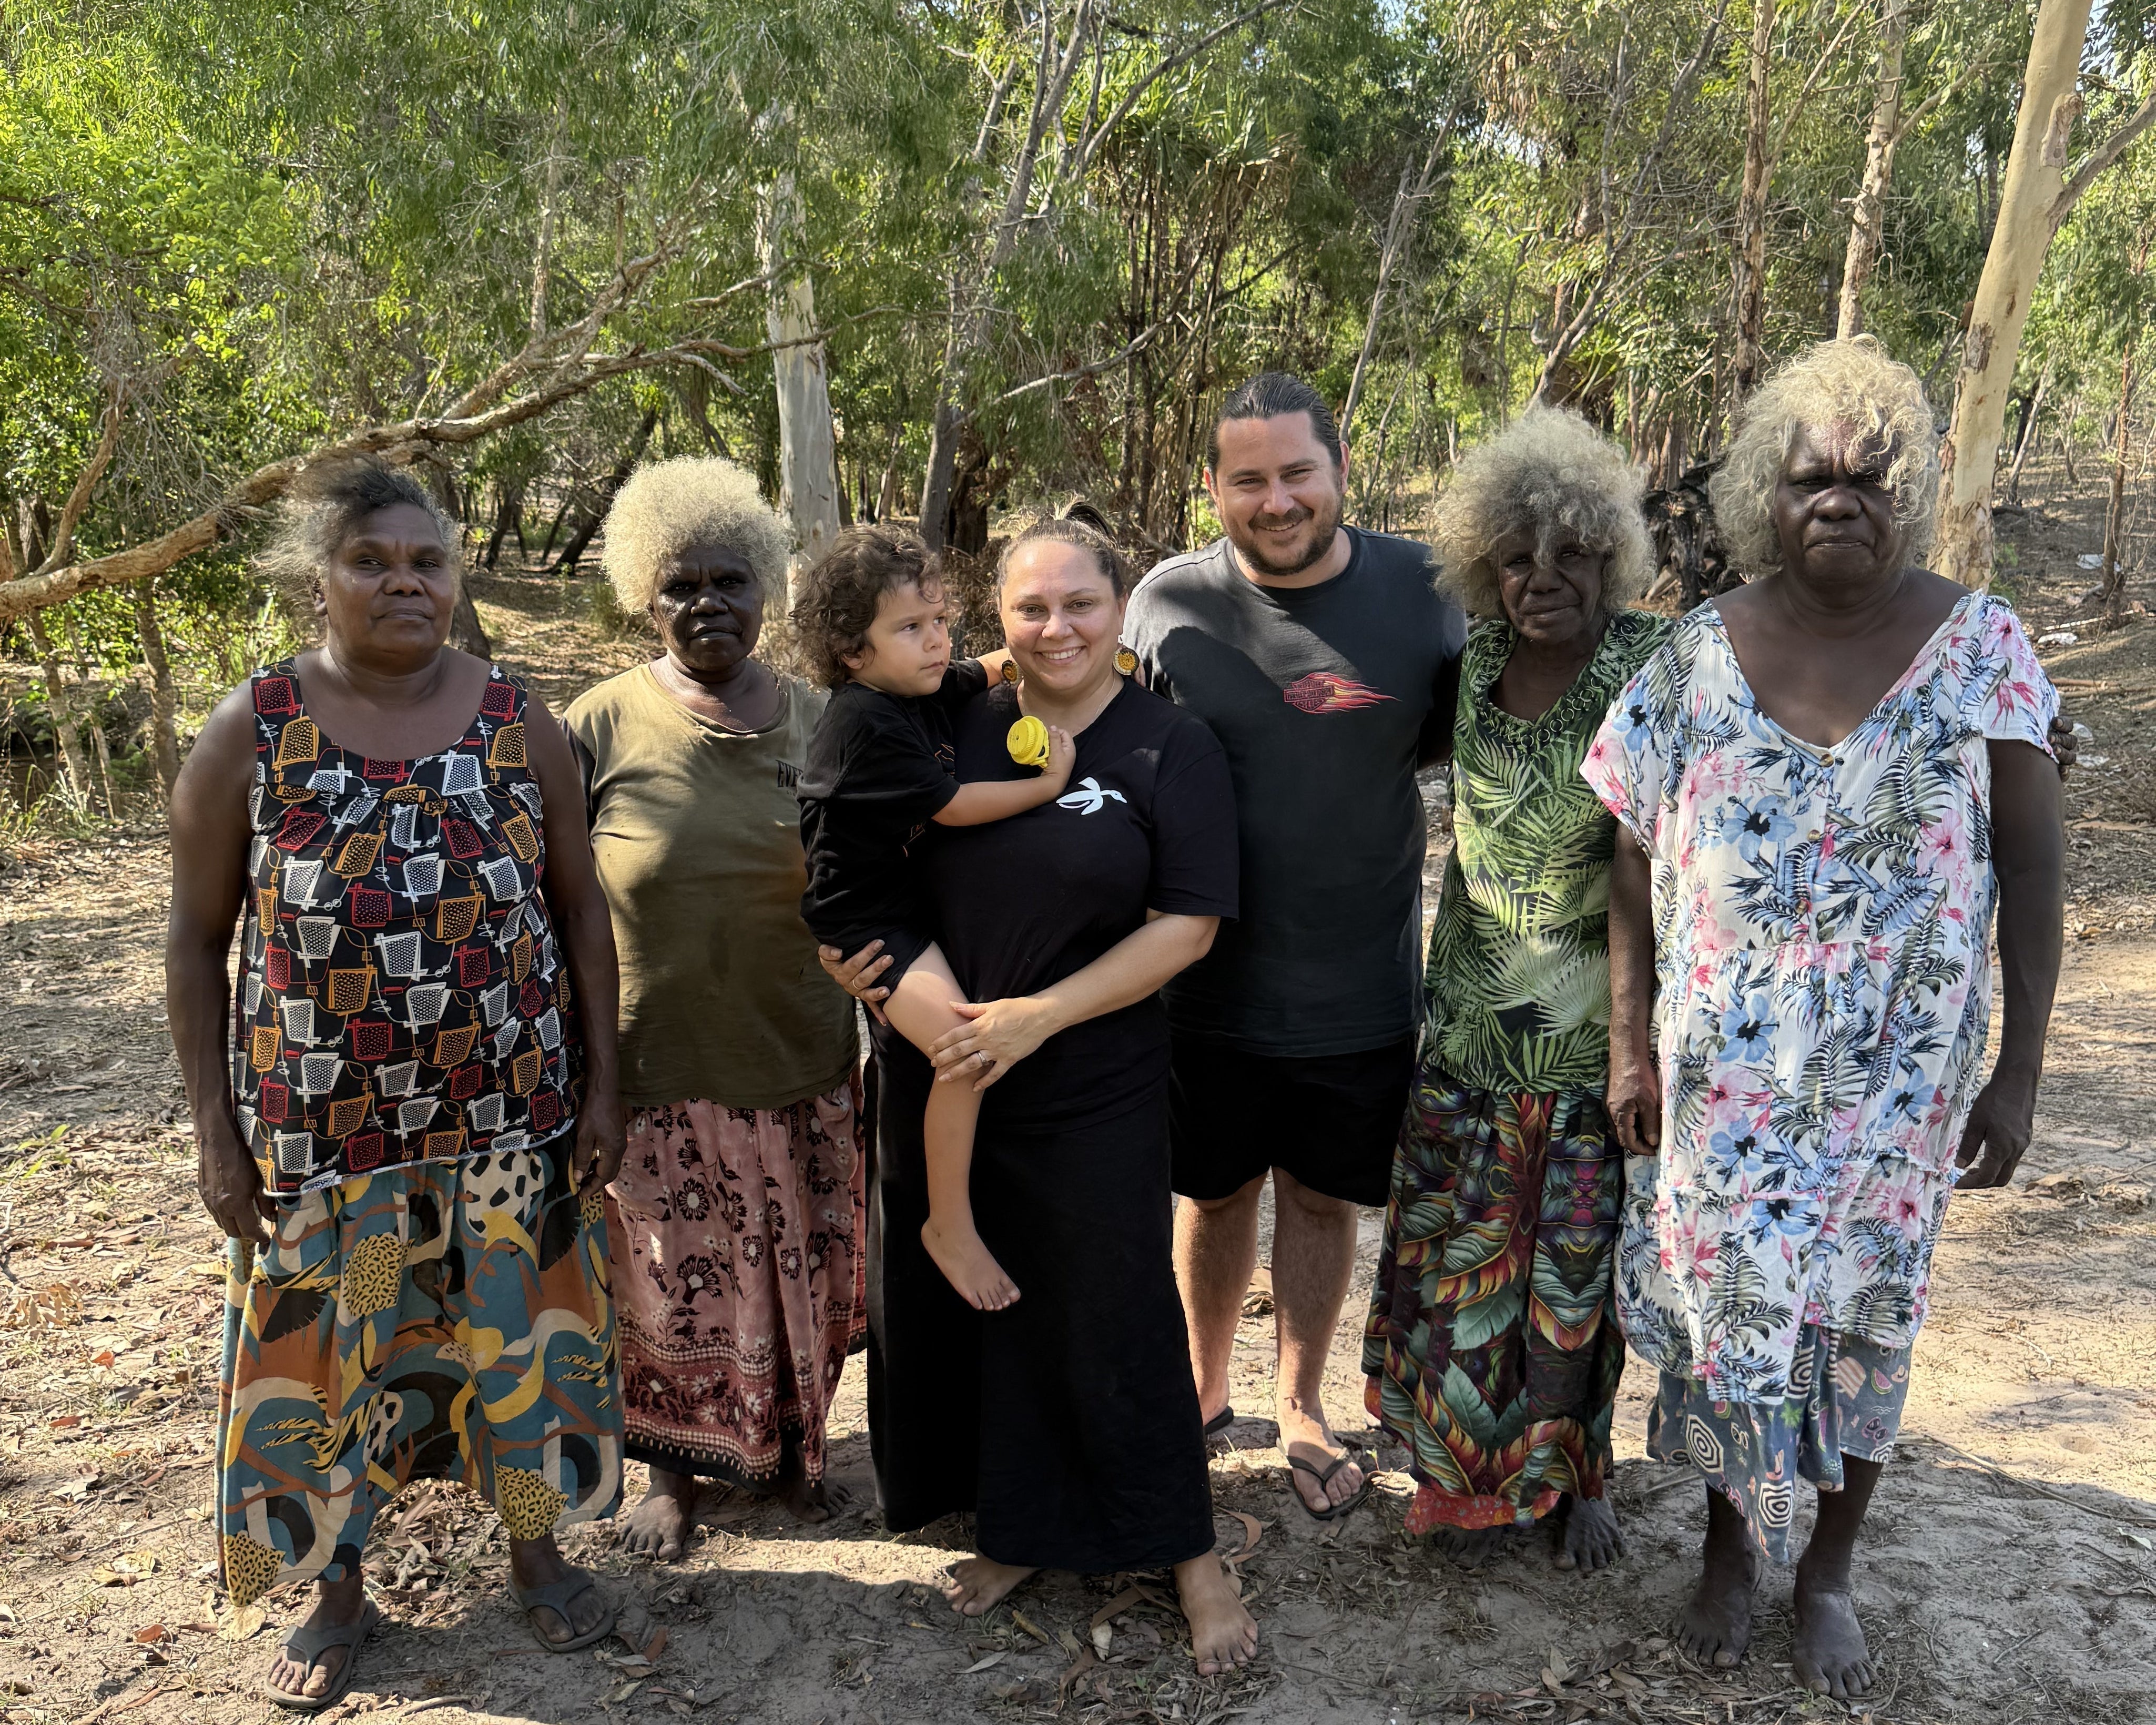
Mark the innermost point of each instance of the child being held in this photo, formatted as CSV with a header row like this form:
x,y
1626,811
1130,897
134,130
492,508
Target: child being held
x,y
873,622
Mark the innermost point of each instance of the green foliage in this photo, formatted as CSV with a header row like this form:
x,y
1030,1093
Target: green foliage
x,y
266,225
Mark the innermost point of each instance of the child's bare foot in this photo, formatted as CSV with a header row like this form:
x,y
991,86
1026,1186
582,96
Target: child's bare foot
x,y
1223,1634
969,1266
976,1586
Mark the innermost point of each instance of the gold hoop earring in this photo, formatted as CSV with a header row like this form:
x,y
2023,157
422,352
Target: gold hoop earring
x,y
1009,673
1126,662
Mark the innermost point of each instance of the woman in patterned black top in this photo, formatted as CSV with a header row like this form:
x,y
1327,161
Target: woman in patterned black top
x,y
407,1116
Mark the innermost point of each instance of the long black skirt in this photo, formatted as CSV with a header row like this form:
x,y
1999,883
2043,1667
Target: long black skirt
x,y
1068,1423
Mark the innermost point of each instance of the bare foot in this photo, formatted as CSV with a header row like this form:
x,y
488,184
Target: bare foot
x,y
1828,1652
538,1562
1470,1548
1305,1435
1592,1540
1223,1634
968,1267
1715,1626
977,1585
659,1527
805,1499
336,1605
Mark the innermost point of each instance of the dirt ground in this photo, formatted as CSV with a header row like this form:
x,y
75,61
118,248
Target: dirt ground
x,y
2010,1575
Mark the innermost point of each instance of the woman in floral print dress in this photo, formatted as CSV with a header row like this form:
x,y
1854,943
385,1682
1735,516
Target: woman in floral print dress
x,y
1830,781
1492,1349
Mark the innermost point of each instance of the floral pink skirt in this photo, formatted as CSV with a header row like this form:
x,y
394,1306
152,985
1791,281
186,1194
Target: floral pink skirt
x,y
736,1236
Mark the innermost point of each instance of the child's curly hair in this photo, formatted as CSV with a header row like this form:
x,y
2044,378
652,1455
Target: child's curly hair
x,y
840,594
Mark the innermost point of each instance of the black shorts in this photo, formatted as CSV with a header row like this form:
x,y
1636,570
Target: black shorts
x,y
1332,1121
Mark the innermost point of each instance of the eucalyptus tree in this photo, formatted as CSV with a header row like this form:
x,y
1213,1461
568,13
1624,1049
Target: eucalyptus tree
x,y
2039,194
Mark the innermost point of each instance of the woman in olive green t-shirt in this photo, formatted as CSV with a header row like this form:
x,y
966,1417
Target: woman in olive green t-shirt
x,y
736,1222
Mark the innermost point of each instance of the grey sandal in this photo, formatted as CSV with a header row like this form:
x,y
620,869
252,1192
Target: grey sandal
x,y
557,1596
309,1645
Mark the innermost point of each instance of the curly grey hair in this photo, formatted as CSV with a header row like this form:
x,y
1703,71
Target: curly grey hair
x,y
325,505
1855,382
670,507
1550,473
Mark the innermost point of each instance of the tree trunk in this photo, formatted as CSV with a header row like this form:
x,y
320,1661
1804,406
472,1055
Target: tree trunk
x,y
2028,217
1399,229
614,481
2112,593
164,731
887,496
943,431
508,515
101,751
74,769
1867,220
2027,440
1752,215
807,469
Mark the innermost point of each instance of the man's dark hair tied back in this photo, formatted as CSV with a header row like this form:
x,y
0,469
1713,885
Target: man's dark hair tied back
x,y
1272,395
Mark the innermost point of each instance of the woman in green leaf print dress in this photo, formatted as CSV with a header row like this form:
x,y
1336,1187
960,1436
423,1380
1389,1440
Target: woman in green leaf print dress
x,y
1492,1349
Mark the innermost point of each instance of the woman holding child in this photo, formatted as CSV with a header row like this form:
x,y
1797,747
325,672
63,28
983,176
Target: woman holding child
x,y
1065,1419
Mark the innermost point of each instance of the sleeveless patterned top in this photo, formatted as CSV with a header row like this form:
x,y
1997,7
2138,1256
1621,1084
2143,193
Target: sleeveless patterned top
x,y
402,998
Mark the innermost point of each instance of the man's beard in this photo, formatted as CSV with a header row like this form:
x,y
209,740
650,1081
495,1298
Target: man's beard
x,y
1324,527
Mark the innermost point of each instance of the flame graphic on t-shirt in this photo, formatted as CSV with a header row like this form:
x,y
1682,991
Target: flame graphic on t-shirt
x,y
1323,692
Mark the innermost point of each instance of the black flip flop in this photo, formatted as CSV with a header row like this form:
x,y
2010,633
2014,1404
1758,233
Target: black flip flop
x,y
1219,1423
1324,1477
309,1645
557,1596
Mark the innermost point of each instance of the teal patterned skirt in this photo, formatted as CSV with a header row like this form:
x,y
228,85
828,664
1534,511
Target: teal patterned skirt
x,y
446,1320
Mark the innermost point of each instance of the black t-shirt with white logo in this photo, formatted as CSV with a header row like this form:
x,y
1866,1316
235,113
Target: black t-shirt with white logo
x,y
1325,699
879,772
1148,822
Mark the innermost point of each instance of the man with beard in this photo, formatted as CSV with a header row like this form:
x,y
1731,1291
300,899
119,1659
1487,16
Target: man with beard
x,y
1327,666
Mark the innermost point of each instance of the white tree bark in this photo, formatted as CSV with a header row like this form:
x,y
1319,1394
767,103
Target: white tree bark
x,y
1752,215
807,465
2029,215
1867,220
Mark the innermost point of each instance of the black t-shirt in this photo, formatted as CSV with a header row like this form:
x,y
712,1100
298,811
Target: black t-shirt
x,y
1326,698
1148,822
879,772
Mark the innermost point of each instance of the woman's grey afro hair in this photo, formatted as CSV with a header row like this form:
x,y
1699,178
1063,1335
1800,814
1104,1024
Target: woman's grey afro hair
x,y
1854,382
1550,473
669,506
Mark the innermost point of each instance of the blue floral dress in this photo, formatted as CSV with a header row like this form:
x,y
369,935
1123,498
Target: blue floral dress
x,y
1823,973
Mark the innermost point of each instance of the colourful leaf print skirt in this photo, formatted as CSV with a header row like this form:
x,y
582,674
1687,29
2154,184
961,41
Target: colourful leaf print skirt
x,y
1493,1348
738,1233
443,1321
1846,1397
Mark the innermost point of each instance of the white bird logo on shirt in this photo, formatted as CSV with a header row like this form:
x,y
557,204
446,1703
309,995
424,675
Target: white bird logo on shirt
x,y
1091,798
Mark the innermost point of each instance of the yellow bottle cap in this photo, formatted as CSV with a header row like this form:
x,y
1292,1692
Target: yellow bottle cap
x,y
1028,743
